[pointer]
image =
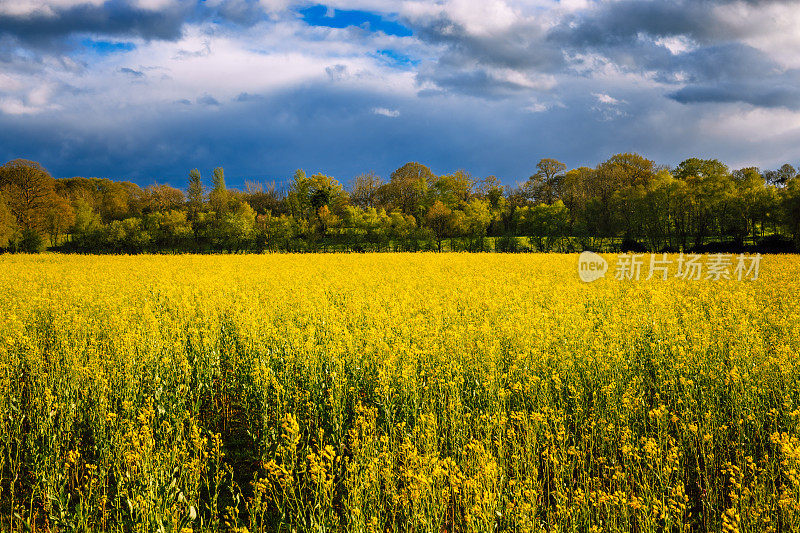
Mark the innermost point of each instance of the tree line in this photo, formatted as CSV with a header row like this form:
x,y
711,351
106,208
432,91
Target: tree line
x,y
625,203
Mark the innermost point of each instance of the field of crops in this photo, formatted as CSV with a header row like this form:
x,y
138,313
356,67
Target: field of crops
x,y
424,393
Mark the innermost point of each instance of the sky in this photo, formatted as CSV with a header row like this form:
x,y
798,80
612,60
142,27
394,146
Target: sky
x,y
146,90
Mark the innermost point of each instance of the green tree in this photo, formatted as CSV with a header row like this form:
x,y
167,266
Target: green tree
x,y
439,220
749,197
545,224
401,229
59,219
545,185
128,235
196,193
790,208
454,190
219,196
275,232
491,190
407,189
169,229
237,229
308,194
781,176
477,217
709,194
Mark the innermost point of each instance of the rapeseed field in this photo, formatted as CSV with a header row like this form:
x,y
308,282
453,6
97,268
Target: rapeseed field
x,y
394,393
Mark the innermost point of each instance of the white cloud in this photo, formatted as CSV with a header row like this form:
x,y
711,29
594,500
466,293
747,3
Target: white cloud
x,y
607,99
537,108
44,7
155,5
677,44
391,113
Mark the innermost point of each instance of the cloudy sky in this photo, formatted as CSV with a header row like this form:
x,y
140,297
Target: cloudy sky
x,y
148,89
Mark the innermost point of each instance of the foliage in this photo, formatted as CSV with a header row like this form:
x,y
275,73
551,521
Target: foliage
x,y
700,205
8,223
29,192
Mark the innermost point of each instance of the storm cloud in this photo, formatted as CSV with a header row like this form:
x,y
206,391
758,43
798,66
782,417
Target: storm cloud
x,y
147,89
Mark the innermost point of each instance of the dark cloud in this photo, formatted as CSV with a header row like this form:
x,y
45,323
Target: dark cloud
x,y
628,34
521,46
317,128
208,100
469,60
724,62
241,12
113,18
622,23
131,72
474,108
247,97
336,72
477,82
190,54
783,91
121,18
333,130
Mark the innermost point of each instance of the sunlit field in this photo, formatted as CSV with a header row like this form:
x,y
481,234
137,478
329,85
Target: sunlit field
x,y
419,392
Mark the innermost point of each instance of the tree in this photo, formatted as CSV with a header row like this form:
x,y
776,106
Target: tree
x,y
781,176
219,195
119,200
8,224
790,207
546,224
477,217
237,227
544,186
30,242
265,199
157,198
491,190
710,191
408,188
454,189
87,226
170,229
366,189
29,191
195,193
401,227
128,235
113,200
327,219
438,219
275,232
623,179
308,194
748,202
60,217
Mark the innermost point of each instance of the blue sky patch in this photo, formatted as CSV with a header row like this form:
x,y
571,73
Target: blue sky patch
x,y
396,58
318,15
105,48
